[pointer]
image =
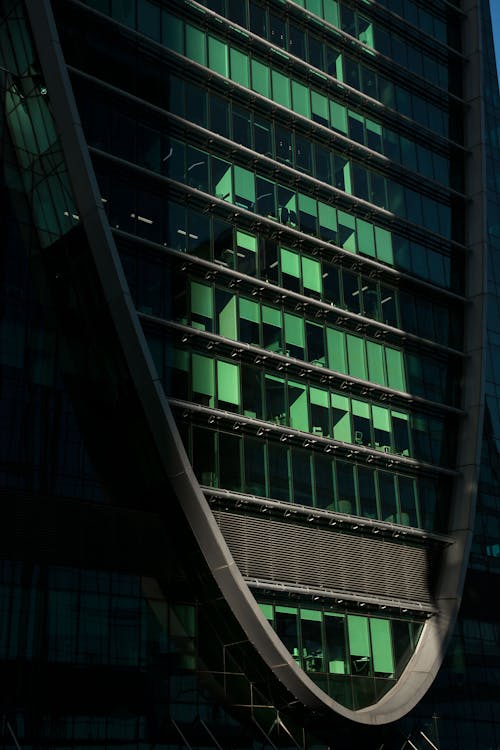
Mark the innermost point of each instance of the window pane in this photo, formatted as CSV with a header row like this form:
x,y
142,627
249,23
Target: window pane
x,y
203,382
383,658
359,644
195,45
375,354
228,385
260,78
218,56
279,472
239,67
230,462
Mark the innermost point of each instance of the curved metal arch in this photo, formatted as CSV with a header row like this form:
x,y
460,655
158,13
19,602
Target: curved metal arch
x,y
427,658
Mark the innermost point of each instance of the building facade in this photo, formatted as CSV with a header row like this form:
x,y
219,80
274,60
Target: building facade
x,y
249,386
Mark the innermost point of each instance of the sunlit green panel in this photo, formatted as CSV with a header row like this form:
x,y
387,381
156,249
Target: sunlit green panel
x,y
228,382
203,381
341,418
356,356
195,45
297,399
172,32
267,611
319,397
218,56
375,353
319,106
327,217
240,68
260,78
271,316
383,657
315,6
294,330
359,639
223,187
290,262
311,274
381,418
249,310
366,240
244,186
331,12
228,320
247,241
360,408
281,89
347,224
383,242
337,359
365,32
395,369
313,615
338,117
300,99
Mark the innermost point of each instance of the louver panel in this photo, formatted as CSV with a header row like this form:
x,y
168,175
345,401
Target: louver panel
x,y
322,558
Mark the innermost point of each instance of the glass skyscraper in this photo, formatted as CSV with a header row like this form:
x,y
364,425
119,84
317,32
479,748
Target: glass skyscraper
x,y
250,418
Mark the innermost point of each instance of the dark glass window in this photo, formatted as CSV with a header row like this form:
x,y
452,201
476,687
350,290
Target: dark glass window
x,y
277,27
196,105
230,462
219,115
263,136
242,126
302,479
255,467
279,472
346,488
297,42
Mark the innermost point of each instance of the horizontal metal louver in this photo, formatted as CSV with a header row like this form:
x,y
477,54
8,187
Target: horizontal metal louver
x,y
326,558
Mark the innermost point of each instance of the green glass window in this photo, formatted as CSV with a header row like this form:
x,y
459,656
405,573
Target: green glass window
x,y
195,45
260,78
359,644
228,385
375,353
281,89
222,186
383,657
341,418
290,269
356,356
246,253
332,12
307,214
240,68
319,108
203,381
244,188
337,359
218,56
249,321
315,6
294,335
202,306
300,99
327,222
297,400
226,316
366,240
267,611
347,233
383,242
395,369
320,421
311,276
272,329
